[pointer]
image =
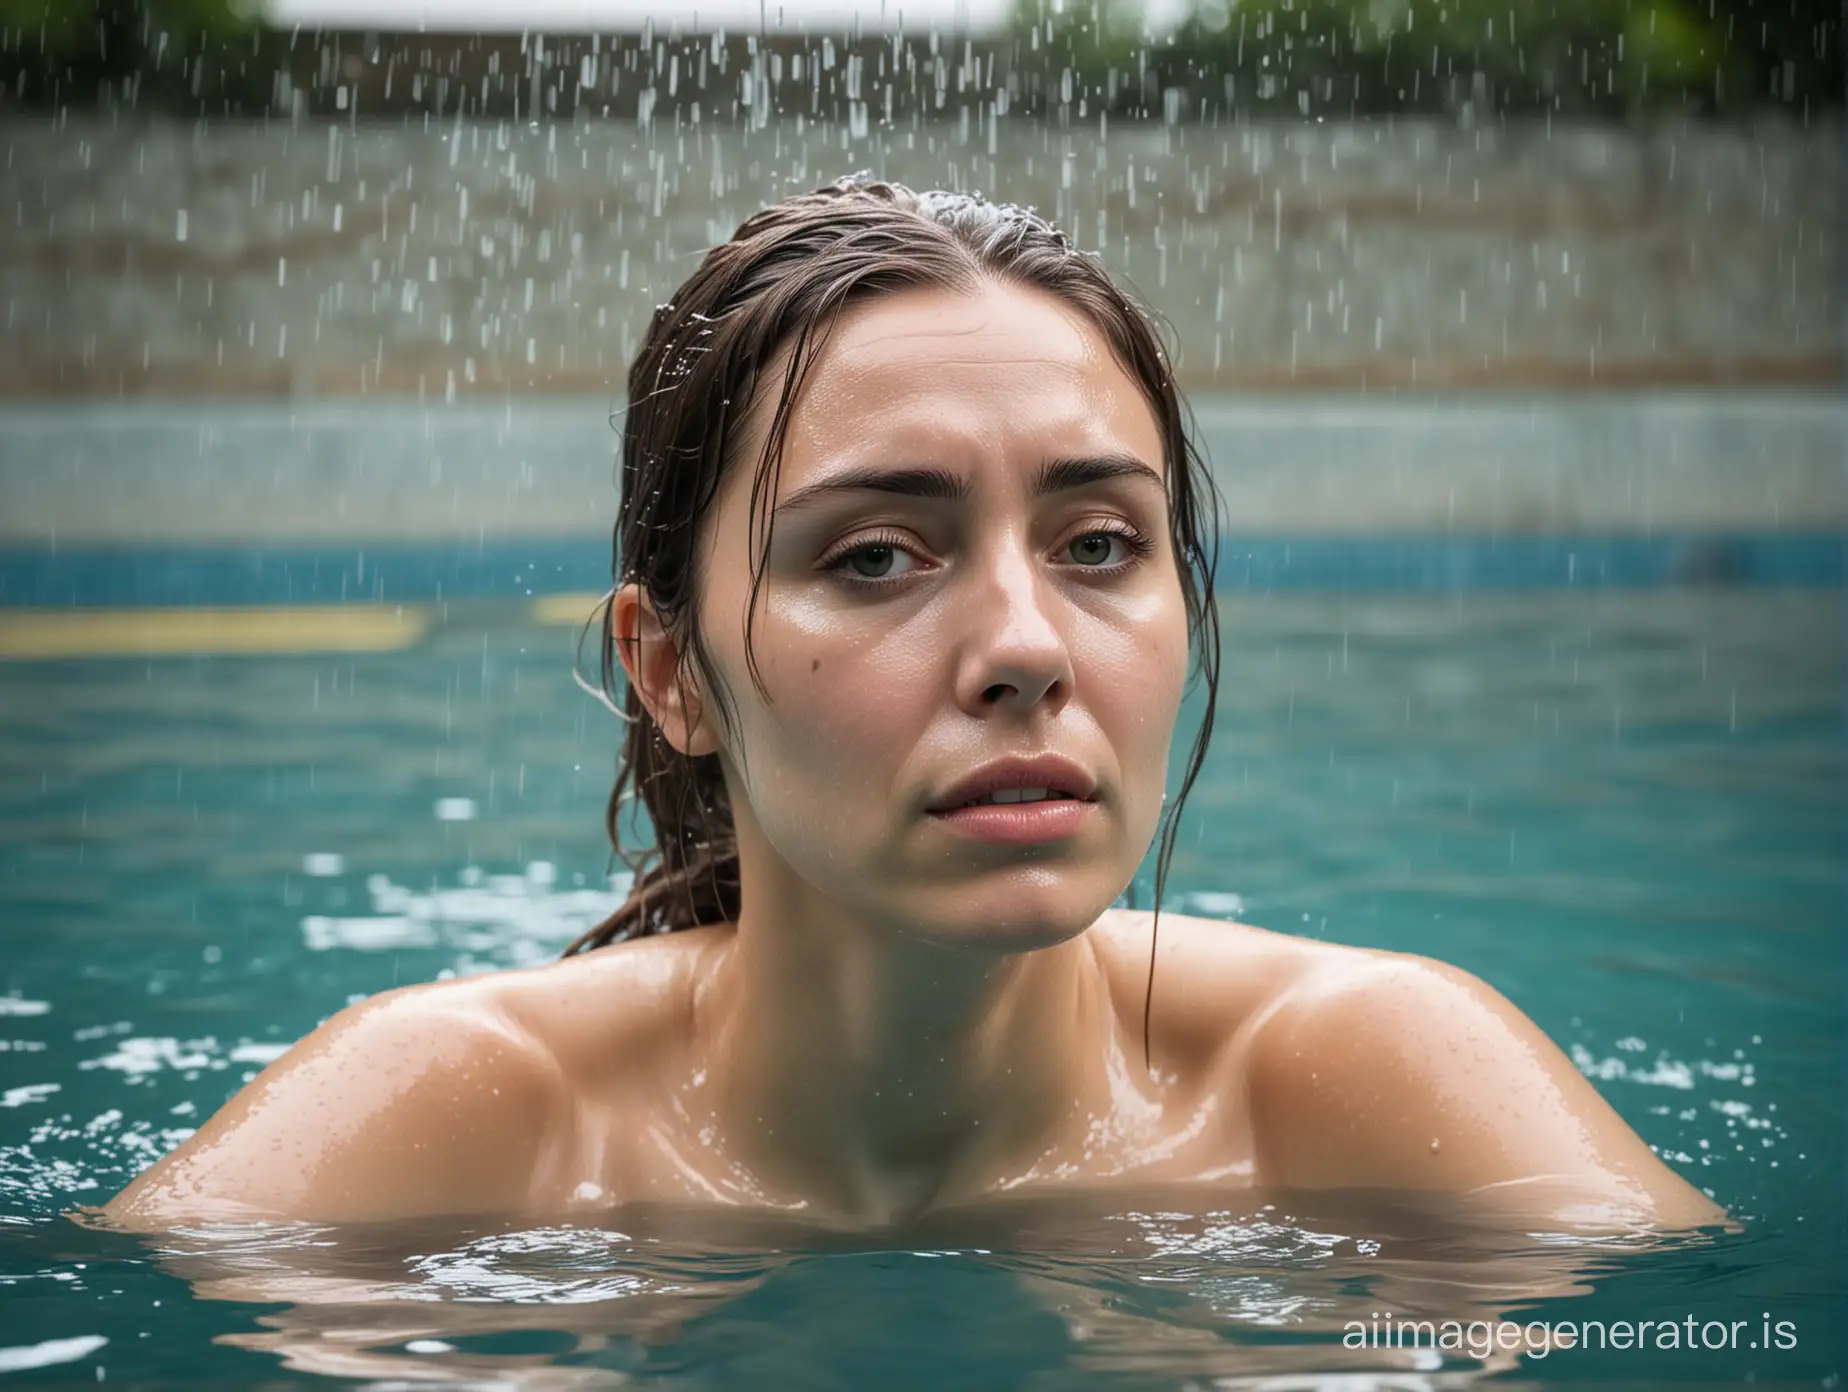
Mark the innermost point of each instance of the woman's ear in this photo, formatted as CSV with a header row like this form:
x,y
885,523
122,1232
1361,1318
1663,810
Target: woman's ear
x,y
653,665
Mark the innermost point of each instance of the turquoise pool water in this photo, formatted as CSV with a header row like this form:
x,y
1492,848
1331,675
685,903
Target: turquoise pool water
x,y
1623,808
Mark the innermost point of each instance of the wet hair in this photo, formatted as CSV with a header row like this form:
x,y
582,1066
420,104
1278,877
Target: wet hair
x,y
780,284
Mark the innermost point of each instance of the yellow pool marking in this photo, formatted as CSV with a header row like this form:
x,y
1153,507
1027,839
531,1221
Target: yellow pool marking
x,y
571,609
54,633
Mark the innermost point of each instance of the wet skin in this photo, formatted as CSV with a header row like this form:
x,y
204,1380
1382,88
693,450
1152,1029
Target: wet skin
x,y
908,1016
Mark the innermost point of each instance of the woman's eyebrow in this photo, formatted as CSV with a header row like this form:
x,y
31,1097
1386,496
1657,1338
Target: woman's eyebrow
x,y
1055,476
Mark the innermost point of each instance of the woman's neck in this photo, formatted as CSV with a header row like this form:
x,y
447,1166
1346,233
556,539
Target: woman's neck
x,y
878,1075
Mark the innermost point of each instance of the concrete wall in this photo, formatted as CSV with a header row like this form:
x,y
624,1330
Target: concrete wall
x,y
75,475
338,258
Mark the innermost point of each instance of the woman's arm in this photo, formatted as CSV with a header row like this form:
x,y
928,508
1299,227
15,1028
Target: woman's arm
x,y
422,1101
1385,1071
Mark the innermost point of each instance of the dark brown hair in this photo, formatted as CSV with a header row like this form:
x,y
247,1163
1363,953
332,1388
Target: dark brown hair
x,y
781,281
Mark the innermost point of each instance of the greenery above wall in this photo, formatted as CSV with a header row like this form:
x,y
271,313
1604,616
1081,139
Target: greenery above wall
x,y
1354,57
1474,59
201,56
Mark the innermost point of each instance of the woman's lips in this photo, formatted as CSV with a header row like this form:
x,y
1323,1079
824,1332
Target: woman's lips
x,y
1019,823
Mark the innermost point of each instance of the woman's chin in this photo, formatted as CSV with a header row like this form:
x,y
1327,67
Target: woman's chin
x,y
1024,920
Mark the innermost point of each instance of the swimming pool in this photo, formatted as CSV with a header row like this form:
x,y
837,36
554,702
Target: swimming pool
x,y
1622,807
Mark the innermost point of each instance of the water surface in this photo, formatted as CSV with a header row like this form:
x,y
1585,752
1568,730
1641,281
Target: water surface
x,y
1622,809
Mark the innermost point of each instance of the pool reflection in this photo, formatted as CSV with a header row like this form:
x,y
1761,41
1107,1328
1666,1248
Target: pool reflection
x,y
1168,1288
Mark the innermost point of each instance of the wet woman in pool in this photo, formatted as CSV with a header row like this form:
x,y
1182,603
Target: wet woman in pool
x,y
913,549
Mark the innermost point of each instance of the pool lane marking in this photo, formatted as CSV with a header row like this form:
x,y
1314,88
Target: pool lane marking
x,y
571,609
40,634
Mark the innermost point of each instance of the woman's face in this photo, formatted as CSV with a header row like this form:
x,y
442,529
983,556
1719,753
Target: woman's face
x,y
970,561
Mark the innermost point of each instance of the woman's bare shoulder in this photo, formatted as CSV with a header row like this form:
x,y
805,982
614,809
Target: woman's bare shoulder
x,y
616,1003
1386,1070
1369,1069
1214,979
453,1096
415,1101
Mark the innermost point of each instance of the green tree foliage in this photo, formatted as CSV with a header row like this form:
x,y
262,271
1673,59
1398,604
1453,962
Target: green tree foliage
x,y
1304,57
208,56
1341,57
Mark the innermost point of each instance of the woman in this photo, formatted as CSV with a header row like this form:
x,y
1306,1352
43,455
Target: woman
x,y
912,550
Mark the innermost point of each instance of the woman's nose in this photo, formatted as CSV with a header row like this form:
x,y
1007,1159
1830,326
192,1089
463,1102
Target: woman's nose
x,y
1015,653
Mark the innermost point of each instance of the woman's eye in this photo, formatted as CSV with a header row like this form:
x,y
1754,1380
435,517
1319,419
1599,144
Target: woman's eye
x,y
1093,549
1097,548
879,561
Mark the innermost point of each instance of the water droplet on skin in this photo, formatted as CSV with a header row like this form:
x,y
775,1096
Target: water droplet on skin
x,y
1436,1145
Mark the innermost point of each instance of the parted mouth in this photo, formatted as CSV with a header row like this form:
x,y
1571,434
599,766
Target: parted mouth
x,y
1018,779
1013,795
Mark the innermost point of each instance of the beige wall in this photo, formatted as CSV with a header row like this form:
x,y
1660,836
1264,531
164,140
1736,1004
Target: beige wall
x,y
340,258
480,471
